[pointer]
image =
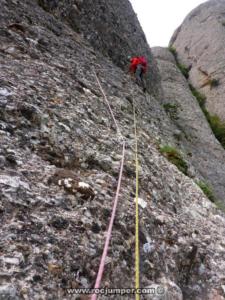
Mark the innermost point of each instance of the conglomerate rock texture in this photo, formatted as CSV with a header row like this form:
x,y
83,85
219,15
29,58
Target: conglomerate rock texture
x,y
199,42
111,27
60,156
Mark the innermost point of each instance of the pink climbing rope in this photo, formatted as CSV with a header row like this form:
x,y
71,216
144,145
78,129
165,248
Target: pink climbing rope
x,y
109,232
107,102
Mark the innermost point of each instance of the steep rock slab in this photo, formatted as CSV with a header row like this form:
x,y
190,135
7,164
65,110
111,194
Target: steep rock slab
x,y
111,27
199,42
56,134
204,151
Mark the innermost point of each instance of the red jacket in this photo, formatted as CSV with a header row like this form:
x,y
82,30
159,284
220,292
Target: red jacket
x,y
137,61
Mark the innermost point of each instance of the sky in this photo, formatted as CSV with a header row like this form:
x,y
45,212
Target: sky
x,y
160,18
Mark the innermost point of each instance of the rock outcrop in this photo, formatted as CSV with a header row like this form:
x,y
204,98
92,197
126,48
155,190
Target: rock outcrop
x,y
111,27
60,156
203,150
199,42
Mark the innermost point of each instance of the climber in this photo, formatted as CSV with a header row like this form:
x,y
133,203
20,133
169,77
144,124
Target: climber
x,y
138,66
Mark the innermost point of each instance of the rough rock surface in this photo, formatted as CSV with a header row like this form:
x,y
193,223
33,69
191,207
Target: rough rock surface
x,y
111,27
60,156
197,140
199,42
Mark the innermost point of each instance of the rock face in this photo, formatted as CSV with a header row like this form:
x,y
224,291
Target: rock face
x,y
111,27
60,156
203,150
199,42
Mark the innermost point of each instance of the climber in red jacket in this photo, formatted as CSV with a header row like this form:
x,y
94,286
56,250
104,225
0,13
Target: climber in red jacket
x,y
138,66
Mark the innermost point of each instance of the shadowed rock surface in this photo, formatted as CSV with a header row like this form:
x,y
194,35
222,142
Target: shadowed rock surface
x,y
111,27
199,42
60,156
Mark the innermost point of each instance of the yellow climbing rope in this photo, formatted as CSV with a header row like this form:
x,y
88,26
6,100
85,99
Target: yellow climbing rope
x,y
137,255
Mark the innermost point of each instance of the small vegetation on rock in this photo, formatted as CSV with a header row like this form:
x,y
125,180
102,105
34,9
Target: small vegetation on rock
x,y
200,97
171,109
175,157
173,51
217,126
184,69
207,190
